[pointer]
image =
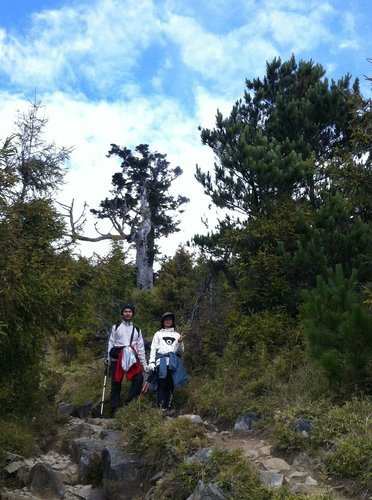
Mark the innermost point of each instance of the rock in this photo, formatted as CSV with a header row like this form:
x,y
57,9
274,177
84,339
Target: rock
x,y
310,481
210,426
296,475
251,454
299,489
12,457
84,492
224,434
271,479
274,464
194,419
84,411
302,460
265,450
12,468
156,477
211,435
210,491
122,474
202,455
87,452
245,423
65,408
45,483
302,426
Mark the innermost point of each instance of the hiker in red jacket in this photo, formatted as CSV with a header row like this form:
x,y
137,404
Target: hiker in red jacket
x,y
125,346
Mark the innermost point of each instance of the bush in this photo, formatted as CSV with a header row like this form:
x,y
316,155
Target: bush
x,y
15,438
350,419
229,469
351,458
275,329
161,442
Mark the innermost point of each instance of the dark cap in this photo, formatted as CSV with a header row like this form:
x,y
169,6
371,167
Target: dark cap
x,y
128,306
168,315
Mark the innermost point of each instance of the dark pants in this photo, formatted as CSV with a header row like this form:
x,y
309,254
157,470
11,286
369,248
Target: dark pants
x,y
134,389
165,390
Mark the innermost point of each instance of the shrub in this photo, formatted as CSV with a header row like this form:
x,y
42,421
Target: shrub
x,y
229,469
351,419
15,438
352,458
162,443
273,328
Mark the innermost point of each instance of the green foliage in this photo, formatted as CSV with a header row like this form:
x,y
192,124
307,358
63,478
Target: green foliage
x,y
162,443
15,438
341,436
246,382
228,469
339,422
221,398
177,281
268,147
352,458
31,167
82,379
274,329
334,234
337,326
346,433
96,294
34,283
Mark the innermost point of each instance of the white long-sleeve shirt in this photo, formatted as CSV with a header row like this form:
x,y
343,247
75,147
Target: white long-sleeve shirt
x,y
120,337
163,342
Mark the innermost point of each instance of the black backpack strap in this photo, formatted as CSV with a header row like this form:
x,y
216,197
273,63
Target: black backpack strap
x,y
131,337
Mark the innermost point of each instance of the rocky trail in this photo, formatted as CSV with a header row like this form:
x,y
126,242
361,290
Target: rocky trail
x,y
87,461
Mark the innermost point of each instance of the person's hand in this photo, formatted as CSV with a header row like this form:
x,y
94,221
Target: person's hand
x,y
150,367
180,338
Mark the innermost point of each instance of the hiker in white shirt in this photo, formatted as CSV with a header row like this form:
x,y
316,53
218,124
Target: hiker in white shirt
x,y
165,343
123,335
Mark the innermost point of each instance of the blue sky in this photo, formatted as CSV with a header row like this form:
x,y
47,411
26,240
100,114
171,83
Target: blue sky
x,y
152,71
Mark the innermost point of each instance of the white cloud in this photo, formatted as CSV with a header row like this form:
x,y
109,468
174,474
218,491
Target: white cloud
x,y
96,48
100,42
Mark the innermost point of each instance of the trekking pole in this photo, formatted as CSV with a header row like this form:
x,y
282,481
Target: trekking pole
x,y
107,369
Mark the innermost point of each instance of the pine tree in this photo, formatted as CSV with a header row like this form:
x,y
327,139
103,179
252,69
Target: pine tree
x,y
337,325
278,138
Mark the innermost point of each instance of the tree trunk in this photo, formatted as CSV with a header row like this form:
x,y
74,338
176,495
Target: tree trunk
x,y
145,273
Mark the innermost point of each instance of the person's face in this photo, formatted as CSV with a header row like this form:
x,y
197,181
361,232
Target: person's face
x,y
127,314
168,322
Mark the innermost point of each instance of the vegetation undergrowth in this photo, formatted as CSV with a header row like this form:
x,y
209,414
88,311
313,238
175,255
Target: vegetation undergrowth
x,y
227,470
162,443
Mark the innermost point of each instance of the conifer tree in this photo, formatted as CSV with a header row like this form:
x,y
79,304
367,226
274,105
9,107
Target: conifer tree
x,y
337,325
278,138
140,207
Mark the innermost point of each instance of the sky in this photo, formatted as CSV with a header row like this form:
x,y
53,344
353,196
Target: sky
x,y
153,71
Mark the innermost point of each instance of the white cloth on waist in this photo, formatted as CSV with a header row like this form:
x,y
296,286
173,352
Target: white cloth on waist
x,y
129,357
